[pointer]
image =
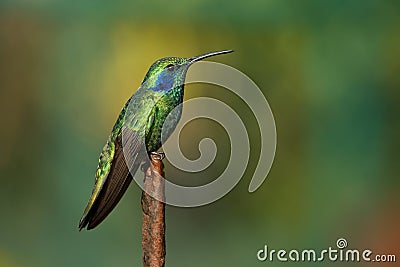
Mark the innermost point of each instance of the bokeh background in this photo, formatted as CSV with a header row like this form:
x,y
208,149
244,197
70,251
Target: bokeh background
x,y
329,69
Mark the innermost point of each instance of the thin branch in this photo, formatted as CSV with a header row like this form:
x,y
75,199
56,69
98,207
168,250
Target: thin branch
x,y
153,213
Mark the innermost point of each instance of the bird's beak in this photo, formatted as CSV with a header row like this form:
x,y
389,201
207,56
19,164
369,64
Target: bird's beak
x,y
211,54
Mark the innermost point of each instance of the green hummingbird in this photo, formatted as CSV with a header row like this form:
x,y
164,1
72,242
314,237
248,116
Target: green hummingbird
x,y
137,132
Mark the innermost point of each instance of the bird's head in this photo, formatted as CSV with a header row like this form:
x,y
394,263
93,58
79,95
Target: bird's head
x,y
170,72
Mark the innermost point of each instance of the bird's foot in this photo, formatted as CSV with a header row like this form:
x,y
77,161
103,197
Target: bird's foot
x,y
158,155
153,155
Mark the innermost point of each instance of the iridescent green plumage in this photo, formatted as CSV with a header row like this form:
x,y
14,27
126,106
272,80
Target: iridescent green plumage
x,y
138,131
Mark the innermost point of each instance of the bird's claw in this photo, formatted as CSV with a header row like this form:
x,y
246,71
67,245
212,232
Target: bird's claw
x,y
156,156
159,155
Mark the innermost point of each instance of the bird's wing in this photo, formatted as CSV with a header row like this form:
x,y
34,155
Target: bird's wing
x,y
109,190
121,157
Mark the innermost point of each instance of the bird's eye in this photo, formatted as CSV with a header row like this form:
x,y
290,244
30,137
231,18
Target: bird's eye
x,y
170,67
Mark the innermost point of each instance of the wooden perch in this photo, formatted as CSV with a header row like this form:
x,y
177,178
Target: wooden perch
x,y
153,213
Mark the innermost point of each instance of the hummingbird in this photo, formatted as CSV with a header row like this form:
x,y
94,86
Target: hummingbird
x,y
138,128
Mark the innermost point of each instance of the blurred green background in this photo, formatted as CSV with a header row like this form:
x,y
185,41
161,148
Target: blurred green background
x,y
329,69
